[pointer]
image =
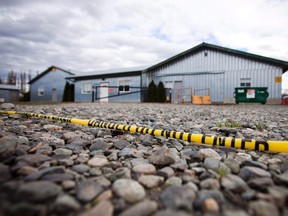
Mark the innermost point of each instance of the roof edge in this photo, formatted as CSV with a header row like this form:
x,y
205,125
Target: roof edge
x,y
283,64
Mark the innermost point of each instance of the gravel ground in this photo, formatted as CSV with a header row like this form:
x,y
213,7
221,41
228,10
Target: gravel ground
x,y
53,168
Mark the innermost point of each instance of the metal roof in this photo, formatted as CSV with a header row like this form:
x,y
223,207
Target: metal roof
x,y
111,72
9,87
283,64
48,70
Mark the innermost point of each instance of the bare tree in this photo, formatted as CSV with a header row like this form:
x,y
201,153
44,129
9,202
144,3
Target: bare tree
x,y
11,78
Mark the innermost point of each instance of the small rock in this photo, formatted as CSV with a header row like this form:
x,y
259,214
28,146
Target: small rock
x,y
208,153
260,183
38,191
233,165
248,173
7,147
254,164
82,158
163,156
68,184
151,181
121,144
137,161
173,181
122,172
166,172
263,208
63,151
50,127
5,174
210,205
129,190
144,208
65,204
33,159
210,183
26,170
99,145
241,157
49,170
81,168
86,191
281,179
171,212
98,161
234,183
178,197
57,177
205,194
145,168
7,106
17,209
279,195
103,208
216,165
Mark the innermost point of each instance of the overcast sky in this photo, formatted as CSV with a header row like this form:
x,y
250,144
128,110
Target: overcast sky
x,y
91,35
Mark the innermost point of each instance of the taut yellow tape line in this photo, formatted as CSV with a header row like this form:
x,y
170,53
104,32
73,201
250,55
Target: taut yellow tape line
x,y
269,146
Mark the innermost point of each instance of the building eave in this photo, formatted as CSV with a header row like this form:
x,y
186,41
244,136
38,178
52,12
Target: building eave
x,y
203,46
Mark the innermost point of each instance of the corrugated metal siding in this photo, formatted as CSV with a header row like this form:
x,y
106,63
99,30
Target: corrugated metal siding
x,y
220,72
134,81
52,80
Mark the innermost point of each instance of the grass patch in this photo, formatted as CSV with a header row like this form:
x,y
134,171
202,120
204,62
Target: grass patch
x,y
229,124
222,171
261,126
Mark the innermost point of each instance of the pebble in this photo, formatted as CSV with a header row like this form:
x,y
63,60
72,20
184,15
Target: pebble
x,y
163,156
234,183
241,157
151,181
128,189
87,190
210,205
208,153
99,145
178,197
249,172
144,208
53,168
38,191
121,144
98,161
144,168
263,208
65,204
210,183
216,165
7,106
104,208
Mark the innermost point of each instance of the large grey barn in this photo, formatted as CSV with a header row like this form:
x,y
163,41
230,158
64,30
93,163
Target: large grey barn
x,y
220,70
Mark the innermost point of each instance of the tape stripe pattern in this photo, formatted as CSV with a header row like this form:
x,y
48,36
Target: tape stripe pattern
x,y
269,146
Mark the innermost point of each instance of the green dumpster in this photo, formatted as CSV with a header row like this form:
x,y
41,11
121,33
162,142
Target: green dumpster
x,y
251,95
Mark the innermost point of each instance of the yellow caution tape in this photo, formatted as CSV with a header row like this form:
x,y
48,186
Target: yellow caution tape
x,y
269,146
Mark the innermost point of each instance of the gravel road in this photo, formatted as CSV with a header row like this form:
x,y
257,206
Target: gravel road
x,y
54,168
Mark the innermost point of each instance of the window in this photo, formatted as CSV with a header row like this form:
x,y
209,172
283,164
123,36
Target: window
x,y
40,91
124,86
245,82
86,88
